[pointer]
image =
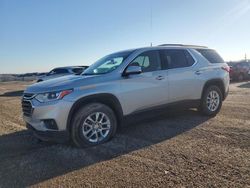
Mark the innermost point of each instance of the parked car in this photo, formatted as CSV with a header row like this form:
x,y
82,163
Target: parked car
x,y
239,71
62,71
88,108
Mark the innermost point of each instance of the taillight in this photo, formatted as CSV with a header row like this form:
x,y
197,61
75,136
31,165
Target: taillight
x,y
231,69
226,68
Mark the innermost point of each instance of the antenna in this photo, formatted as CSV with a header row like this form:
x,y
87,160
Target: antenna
x,y
151,23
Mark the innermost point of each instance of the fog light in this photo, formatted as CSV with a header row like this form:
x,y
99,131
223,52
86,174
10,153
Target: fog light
x,y
50,124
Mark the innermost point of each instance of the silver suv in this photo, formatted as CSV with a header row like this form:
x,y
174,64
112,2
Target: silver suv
x,y
88,108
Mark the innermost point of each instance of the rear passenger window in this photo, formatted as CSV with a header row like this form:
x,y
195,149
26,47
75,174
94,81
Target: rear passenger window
x,y
149,61
211,55
176,59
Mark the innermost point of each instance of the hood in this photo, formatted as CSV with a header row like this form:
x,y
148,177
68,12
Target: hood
x,y
57,84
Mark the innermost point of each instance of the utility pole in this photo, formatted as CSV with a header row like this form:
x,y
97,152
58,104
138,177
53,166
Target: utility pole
x,y
246,57
151,23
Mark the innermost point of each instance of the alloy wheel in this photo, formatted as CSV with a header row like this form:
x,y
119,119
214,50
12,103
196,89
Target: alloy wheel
x,y
213,100
96,127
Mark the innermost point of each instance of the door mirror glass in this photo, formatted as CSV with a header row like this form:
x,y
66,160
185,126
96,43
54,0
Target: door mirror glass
x,y
132,70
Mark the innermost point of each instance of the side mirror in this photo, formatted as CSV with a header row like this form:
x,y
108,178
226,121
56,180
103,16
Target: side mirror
x,y
132,70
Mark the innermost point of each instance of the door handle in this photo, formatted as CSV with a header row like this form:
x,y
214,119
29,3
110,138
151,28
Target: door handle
x,y
160,78
198,72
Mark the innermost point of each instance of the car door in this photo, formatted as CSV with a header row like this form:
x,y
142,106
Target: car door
x,y
148,89
181,74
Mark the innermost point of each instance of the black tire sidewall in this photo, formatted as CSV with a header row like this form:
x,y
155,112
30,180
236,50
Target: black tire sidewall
x,y
82,114
204,107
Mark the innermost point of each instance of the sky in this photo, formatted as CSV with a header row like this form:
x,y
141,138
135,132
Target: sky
x,y
38,35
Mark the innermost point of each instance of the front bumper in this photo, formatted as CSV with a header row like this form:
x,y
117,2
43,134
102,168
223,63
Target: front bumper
x,y
57,111
41,113
56,136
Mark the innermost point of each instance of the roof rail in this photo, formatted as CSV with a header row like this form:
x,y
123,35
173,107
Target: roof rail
x,y
184,45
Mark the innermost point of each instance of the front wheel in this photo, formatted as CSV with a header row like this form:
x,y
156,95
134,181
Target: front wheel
x,y
93,124
211,101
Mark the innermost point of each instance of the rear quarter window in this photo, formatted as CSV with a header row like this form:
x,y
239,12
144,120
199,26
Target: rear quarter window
x,y
211,55
190,59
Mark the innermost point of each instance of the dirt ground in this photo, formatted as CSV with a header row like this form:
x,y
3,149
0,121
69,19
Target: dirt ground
x,y
180,149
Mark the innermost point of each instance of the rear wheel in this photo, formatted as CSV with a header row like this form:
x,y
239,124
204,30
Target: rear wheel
x,y
93,124
211,101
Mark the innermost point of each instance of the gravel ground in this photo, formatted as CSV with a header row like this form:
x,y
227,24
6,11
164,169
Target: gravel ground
x,y
181,149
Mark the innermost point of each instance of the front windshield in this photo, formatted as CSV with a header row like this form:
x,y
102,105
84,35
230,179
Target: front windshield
x,y
107,63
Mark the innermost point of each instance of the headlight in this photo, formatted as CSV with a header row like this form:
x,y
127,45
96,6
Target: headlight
x,y
52,96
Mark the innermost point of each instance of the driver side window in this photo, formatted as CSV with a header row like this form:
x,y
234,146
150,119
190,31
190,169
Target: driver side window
x,y
148,61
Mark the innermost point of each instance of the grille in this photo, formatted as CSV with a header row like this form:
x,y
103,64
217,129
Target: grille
x,y
27,108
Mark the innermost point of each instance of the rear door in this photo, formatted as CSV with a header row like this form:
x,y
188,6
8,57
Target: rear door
x,y
181,74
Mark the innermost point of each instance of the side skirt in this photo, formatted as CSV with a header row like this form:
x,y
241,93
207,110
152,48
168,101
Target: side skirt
x,y
158,110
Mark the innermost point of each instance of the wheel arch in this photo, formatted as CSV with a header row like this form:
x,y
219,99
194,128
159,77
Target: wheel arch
x,y
215,82
104,98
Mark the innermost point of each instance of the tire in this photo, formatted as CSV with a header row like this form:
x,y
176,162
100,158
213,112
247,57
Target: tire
x,y
85,124
211,108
